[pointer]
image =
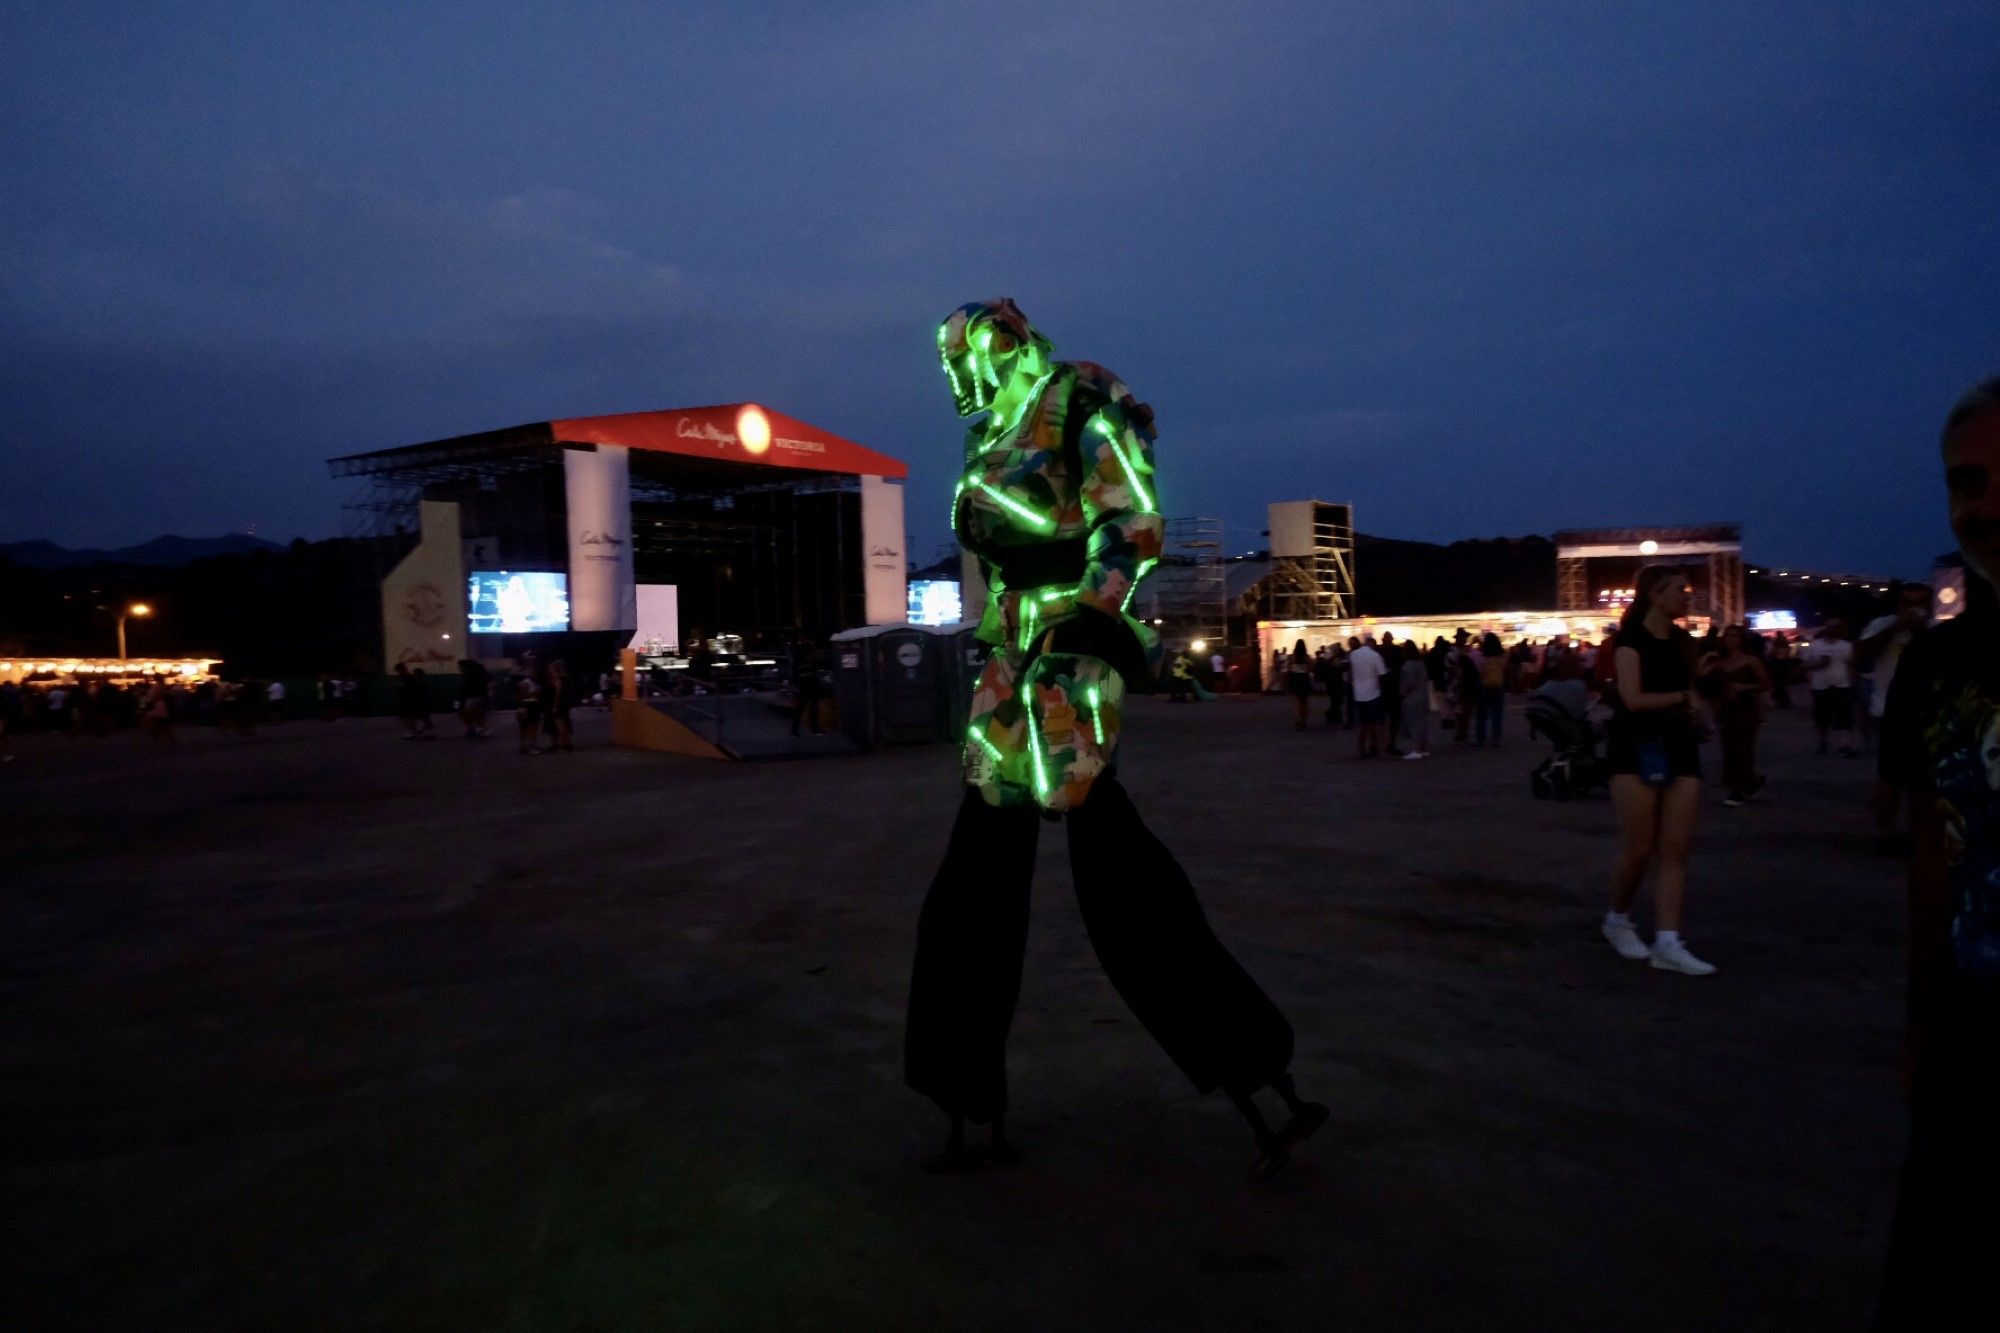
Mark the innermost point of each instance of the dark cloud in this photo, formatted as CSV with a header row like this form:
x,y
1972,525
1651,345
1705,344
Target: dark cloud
x,y
1473,270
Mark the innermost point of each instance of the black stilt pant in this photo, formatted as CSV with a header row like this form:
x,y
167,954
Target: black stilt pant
x,y
1144,921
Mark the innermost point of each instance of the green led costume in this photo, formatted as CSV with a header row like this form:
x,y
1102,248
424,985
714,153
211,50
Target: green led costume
x,y
1056,499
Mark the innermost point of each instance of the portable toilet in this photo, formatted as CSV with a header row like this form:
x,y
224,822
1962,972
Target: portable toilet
x,y
892,684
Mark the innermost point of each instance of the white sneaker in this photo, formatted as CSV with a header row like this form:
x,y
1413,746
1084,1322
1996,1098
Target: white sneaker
x,y
1625,939
1675,957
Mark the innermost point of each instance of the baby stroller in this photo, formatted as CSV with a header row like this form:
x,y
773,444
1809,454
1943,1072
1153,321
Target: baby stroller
x,y
1574,769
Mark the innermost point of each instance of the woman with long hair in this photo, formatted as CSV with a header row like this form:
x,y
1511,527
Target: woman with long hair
x,y
1737,682
1655,761
1299,682
1492,705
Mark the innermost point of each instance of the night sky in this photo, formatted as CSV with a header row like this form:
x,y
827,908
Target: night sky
x,y
1479,269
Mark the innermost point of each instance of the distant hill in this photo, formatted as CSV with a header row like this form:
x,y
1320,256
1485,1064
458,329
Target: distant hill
x,y
160,553
1406,578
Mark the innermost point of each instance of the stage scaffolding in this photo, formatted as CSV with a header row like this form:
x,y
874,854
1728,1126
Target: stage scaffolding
x,y
1312,561
1592,564
1187,589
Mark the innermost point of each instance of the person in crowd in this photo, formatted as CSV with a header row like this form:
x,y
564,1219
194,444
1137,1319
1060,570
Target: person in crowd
x,y
1829,664
1414,684
1275,683
1444,698
1180,679
1392,693
1366,671
1329,667
1736,682
12,712
420,703
1880,650
1438,661
528,705
558,698
1937,744
274,701
251,701
1779,661
156,717
1465,683
82,710
1218,669
1343,670
401,686
806,692
1567,687
1299,682
1492,699
474,685
1654,756
1604,664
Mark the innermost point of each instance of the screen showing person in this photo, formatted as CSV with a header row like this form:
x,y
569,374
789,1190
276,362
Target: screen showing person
x,y
500,601
935,602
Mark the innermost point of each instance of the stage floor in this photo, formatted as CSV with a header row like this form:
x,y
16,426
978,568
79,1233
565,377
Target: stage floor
x,y
323,1029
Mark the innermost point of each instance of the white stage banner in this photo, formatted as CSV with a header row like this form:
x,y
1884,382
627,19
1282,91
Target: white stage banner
x,y
884,571
598,486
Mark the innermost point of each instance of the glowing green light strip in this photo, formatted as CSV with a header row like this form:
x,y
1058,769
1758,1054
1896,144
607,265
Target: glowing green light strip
x,y
1008,502
1034,396
1132,589
1054,594
1097,715
956,492
1035,748
1131,475
992,750
1031,613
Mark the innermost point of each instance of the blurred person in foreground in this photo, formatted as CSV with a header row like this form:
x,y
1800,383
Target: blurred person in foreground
x,y
1655,761
1941,743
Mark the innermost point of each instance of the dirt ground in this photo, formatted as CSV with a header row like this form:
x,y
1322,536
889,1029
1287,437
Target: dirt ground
x,y
321,1029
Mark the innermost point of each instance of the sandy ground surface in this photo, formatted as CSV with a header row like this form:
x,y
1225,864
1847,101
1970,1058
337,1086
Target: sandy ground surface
x,y
320,1029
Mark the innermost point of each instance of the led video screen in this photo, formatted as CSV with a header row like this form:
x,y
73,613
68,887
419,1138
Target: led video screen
x,y
934,602
501,601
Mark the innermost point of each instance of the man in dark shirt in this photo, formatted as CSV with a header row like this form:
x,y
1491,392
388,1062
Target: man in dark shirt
x,y
1941,743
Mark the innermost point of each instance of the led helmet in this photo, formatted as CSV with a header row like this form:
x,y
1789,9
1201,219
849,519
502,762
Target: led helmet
x,y
983,344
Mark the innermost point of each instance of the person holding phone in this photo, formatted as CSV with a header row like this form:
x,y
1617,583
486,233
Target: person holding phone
x,y
1655,760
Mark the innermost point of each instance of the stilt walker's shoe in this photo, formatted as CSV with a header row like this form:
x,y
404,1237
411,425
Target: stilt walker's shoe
x,y
958,1155
1304,1120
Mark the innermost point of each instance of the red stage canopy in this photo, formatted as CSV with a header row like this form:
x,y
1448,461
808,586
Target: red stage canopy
x,y
732,432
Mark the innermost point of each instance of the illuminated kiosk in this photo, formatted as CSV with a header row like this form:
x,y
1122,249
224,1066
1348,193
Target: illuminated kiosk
x,y
1511,626
1595,574
1596,568
553,537
61,670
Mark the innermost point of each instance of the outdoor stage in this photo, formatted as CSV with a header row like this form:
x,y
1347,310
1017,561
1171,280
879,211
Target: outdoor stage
x,y
320,1029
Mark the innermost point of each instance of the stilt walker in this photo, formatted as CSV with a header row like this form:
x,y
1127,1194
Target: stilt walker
x,y
1057,501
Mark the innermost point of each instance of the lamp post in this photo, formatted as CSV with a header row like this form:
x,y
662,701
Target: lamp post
x,y
139,609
